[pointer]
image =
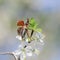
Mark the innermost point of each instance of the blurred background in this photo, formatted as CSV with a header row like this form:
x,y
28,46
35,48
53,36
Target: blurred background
x,y
47,15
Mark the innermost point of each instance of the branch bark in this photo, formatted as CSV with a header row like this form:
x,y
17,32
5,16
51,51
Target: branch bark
x,y
10,53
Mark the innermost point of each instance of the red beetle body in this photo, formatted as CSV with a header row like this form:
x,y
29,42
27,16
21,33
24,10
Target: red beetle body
x,y
20,23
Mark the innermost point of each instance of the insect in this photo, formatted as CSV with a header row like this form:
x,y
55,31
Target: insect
x,y
21,27
29,25
26,29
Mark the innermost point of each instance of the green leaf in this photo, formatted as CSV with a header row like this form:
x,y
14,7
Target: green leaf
x,y
38,30
32,23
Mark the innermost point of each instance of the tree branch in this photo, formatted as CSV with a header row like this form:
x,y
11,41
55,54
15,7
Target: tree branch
x,y
10,53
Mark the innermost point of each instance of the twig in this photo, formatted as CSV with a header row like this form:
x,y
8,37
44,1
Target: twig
x,y
10,53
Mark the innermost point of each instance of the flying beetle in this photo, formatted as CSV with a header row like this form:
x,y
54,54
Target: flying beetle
x,y
29,25
21,27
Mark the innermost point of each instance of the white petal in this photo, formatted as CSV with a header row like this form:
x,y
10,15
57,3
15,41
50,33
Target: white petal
x,y
29,50
27,40
23,56
29,54
19,37
41,42
37,51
